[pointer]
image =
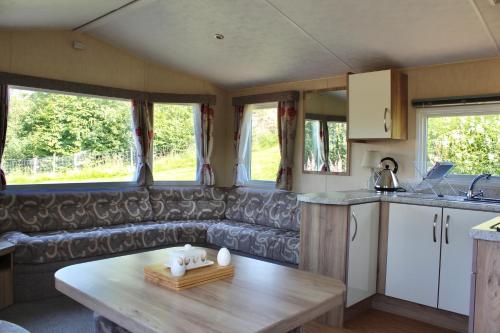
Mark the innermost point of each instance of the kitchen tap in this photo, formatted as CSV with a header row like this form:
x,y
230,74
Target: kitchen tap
x,y
470,192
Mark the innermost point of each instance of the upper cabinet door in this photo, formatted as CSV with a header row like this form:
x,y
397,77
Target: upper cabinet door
x,y
363,250
378,105
413,248
456,258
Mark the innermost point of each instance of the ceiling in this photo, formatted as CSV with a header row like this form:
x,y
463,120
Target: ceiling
x,y
268,41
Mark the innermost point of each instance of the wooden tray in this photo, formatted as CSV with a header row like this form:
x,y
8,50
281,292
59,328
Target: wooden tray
x,y
161,276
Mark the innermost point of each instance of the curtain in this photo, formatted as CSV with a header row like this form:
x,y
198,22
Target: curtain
x,y
242,123
142,121
4,111
287,128
203,126
324,146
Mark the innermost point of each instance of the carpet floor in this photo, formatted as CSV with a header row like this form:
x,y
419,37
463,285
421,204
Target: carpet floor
x,y
54,315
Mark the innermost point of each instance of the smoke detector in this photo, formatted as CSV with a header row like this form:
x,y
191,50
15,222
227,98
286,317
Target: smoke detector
x,y
77,45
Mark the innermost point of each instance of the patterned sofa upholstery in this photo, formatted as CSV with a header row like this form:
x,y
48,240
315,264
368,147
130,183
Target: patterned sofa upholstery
x,y
52,229
263,223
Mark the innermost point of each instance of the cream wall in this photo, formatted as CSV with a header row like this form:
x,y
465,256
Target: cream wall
x,y
468,78
50,54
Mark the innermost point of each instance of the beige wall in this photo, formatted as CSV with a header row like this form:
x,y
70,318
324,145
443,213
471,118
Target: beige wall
x,y
49,54
469,78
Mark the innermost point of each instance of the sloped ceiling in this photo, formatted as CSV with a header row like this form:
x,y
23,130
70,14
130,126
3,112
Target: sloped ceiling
x,y
268,41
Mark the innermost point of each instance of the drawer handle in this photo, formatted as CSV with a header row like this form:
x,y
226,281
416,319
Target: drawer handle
x,y
386,129
355,226
434,224
447,226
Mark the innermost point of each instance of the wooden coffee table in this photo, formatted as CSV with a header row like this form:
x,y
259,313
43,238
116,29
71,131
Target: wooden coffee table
x,y
261,297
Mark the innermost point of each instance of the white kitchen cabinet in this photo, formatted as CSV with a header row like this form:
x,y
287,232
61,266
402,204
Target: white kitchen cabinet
x,y
413,249
362,252
378,105
456,258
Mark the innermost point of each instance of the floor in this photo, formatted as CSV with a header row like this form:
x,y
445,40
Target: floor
x,y
58,315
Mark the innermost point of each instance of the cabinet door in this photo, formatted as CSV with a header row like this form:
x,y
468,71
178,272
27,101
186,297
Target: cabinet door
x,y
413,253
456,258
363,249
369,105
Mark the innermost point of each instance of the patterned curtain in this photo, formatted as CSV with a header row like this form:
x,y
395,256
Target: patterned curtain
x,y
142,120
240,145
4,111
204,117
287,128
323,143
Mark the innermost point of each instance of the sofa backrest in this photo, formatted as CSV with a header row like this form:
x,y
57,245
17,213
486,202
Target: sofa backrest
x,y
37,211
187,203
273,208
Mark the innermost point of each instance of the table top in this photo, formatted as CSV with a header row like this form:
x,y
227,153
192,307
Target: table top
x,y
6,248
261,297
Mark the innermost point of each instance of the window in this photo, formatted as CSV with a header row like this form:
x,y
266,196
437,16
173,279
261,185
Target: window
x,y
174,146
315,142
264,159
56,137
337,141
467,136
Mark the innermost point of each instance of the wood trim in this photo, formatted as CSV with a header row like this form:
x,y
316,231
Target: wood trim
x,y
323,246
6,280
487,296
358,309
383,235
314,116
291,95
399,107
96,90
473,286
436,317
181,98
343,119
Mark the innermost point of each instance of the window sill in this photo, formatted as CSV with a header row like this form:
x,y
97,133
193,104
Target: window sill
x,y
261,184
71,186
176,183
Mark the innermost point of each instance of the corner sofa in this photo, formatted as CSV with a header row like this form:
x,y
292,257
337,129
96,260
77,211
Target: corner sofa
x,y
53,229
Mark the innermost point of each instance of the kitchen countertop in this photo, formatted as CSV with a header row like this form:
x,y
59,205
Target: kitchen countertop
x,y
344,198
484,232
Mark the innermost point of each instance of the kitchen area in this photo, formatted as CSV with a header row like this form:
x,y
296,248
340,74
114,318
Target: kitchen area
x,y
427,249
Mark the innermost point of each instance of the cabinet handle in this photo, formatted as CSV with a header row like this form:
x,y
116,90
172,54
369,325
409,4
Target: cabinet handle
x,y
447,225
434,228
385,120
355,226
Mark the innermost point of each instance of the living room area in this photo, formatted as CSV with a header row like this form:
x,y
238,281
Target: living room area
x,y
249,166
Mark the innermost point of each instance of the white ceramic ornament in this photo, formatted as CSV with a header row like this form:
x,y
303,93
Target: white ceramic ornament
x,y
223,257
177,267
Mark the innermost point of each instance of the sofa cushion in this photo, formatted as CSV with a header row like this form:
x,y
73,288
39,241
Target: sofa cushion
x,y
40,248
187,203
276,244
69,210
277,209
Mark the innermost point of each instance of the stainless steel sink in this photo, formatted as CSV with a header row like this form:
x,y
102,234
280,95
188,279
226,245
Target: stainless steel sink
x,y
483,200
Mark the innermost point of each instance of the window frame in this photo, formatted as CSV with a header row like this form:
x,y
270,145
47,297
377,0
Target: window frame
x,y
196,181
422,116
258,183
69,185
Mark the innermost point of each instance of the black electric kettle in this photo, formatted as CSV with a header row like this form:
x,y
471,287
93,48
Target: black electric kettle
x,y
387,181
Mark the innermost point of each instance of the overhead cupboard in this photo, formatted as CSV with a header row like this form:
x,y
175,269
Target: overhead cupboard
x,y
429,255
378,105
